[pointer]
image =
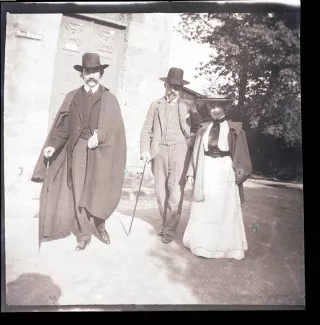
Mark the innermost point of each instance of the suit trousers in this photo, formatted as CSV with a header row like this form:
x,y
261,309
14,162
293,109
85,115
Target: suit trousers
x,y
86,224
169,168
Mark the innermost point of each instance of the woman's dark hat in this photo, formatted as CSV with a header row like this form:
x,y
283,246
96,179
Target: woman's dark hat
x,y
175,77
205,104
90,60
217,99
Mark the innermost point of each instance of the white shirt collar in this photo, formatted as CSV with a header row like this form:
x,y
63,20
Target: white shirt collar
x,y
94,89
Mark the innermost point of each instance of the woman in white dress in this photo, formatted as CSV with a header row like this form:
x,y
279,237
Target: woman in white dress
x,y
219,165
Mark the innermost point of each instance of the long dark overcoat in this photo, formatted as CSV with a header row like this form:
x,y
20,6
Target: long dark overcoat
x,y
105,167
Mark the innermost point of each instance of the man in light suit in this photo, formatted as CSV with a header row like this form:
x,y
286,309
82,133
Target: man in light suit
x,y
167,139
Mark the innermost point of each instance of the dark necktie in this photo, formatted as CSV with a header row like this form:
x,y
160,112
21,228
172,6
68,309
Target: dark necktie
x,y
214,132
90,91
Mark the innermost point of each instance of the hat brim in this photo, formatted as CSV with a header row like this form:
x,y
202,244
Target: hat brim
x,y
80,67
226,103
216,100
184,82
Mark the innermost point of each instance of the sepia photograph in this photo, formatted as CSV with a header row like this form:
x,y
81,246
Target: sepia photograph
x,y
152,156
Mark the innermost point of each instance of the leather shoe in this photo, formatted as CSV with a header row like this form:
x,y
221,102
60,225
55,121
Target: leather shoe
x,y
167,239
81,245
104,237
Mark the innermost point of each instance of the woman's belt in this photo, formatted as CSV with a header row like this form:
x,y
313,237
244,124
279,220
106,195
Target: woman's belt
x,y
216,153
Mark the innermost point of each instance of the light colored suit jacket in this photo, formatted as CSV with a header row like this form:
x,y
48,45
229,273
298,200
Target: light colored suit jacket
x,y
151,133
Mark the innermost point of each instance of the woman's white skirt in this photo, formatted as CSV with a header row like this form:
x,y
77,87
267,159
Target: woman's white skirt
x,y
215,228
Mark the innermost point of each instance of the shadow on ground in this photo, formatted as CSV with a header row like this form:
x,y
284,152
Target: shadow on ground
x,y
32,289
272,272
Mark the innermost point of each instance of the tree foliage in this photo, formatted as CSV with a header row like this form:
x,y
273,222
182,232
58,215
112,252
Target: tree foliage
x,y
257,61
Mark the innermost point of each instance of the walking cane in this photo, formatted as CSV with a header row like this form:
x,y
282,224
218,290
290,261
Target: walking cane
x,y
41,222
145,164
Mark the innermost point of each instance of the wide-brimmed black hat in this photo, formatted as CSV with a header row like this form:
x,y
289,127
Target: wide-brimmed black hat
x,y
90,60
175,77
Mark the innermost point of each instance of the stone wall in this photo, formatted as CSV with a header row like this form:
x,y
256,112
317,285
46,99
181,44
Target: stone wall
x,y
31,44
30,50
145,59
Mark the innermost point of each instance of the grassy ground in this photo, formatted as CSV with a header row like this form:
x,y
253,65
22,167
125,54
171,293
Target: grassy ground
x,y
273,270
139,269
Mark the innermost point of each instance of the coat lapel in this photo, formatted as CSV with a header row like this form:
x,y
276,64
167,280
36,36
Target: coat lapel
x,y
182,109
95,108
161,110
237,126
96,95
77,102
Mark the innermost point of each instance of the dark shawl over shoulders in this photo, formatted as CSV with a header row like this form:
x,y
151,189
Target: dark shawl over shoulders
x,y
106,163
56,210
241,161
105,171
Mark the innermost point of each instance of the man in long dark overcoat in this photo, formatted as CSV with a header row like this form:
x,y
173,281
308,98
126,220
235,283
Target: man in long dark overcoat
x,y
83,161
